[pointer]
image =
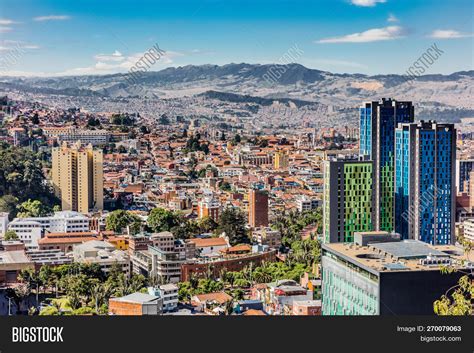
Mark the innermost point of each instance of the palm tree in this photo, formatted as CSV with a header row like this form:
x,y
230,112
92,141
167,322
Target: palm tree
x,y
99,293
229,307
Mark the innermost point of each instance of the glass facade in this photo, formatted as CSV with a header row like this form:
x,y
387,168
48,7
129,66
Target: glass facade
x,y
428,214
378,121
348,199
358,199
347,289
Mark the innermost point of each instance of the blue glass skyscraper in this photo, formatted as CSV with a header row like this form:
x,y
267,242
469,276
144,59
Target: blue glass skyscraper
x,y
425,155
378,121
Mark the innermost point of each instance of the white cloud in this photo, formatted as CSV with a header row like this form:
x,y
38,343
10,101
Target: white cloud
x,y
117,62
449,34
104,63
392,18
371,35
115,56
5,29
367,3
6,22
51,18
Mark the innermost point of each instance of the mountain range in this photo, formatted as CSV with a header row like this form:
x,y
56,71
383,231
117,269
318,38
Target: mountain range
x,y
265,83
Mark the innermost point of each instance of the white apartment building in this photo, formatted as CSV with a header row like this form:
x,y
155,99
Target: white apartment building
x,y
31,229
93,137
231,171
169,293
306,203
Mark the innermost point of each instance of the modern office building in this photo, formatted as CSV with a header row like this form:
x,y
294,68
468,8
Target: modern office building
x,y
258,208
348,198
378,121
77,175
386,276
93,137
464,167
425,194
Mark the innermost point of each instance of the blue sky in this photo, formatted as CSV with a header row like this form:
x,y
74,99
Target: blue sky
x,y
367,36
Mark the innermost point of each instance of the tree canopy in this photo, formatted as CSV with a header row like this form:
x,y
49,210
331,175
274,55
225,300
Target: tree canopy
x,y
160,220
119,219
232,221
21,176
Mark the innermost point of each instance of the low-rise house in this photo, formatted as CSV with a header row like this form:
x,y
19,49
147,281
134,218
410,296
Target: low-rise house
x,y
102,253
11,263
307,307
267,236
65,241
278,297
210,246
169,294
136,304
53,257
211,303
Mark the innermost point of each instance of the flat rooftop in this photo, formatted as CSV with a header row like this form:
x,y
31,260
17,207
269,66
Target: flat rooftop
x,y
137,297
396,256
408,249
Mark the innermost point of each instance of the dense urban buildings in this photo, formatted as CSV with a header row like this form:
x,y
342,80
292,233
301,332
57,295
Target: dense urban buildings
x,y
194,216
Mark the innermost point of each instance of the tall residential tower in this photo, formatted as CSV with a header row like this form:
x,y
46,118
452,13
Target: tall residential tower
x,y
78,177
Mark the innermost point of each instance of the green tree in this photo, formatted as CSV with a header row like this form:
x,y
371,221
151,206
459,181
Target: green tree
x,y
21,175
10,235
33,208
458,299
8,204
160,220
119,219
207,225
225,186
232,222
459,302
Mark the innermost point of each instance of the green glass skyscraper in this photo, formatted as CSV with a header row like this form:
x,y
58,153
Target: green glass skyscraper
x,y
348,198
